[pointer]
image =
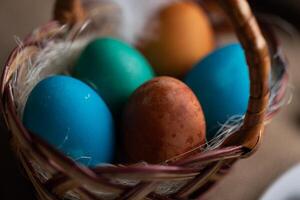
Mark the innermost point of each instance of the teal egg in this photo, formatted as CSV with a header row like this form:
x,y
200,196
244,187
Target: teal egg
x,y
221,83
73,118
114,69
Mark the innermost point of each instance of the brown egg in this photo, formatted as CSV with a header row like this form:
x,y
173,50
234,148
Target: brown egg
x,y
183,36
162,119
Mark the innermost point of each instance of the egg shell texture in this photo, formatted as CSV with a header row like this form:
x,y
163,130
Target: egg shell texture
x,y
114,69
221,83
71,116
163,119
181,36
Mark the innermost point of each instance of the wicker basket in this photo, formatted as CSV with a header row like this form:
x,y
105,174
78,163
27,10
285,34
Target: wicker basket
x,y
193,174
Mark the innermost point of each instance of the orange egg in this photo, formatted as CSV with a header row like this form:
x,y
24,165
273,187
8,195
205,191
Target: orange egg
x,y
183,36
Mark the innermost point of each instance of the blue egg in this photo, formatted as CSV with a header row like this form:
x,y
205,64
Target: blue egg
x,y
72,117
221,83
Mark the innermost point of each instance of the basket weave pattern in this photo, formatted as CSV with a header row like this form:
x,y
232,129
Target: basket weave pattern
x,y
197,172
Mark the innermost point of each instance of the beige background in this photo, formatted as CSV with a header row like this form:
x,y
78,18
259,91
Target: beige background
x,y
249,178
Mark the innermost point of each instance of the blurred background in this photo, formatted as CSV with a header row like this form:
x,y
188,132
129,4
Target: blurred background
x,y
249,178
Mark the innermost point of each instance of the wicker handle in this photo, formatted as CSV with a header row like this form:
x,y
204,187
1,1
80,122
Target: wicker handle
x,y
258,59
252,40
68,11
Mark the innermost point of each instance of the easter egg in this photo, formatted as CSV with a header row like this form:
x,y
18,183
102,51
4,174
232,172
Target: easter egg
x,y
162,119
221,83
71,117
114,69
182,36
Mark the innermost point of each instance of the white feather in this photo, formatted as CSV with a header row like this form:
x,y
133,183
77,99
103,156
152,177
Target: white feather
x,y
135,16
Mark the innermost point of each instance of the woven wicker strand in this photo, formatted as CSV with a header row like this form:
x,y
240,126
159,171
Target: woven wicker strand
x,y
69,11
259,63
198,172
